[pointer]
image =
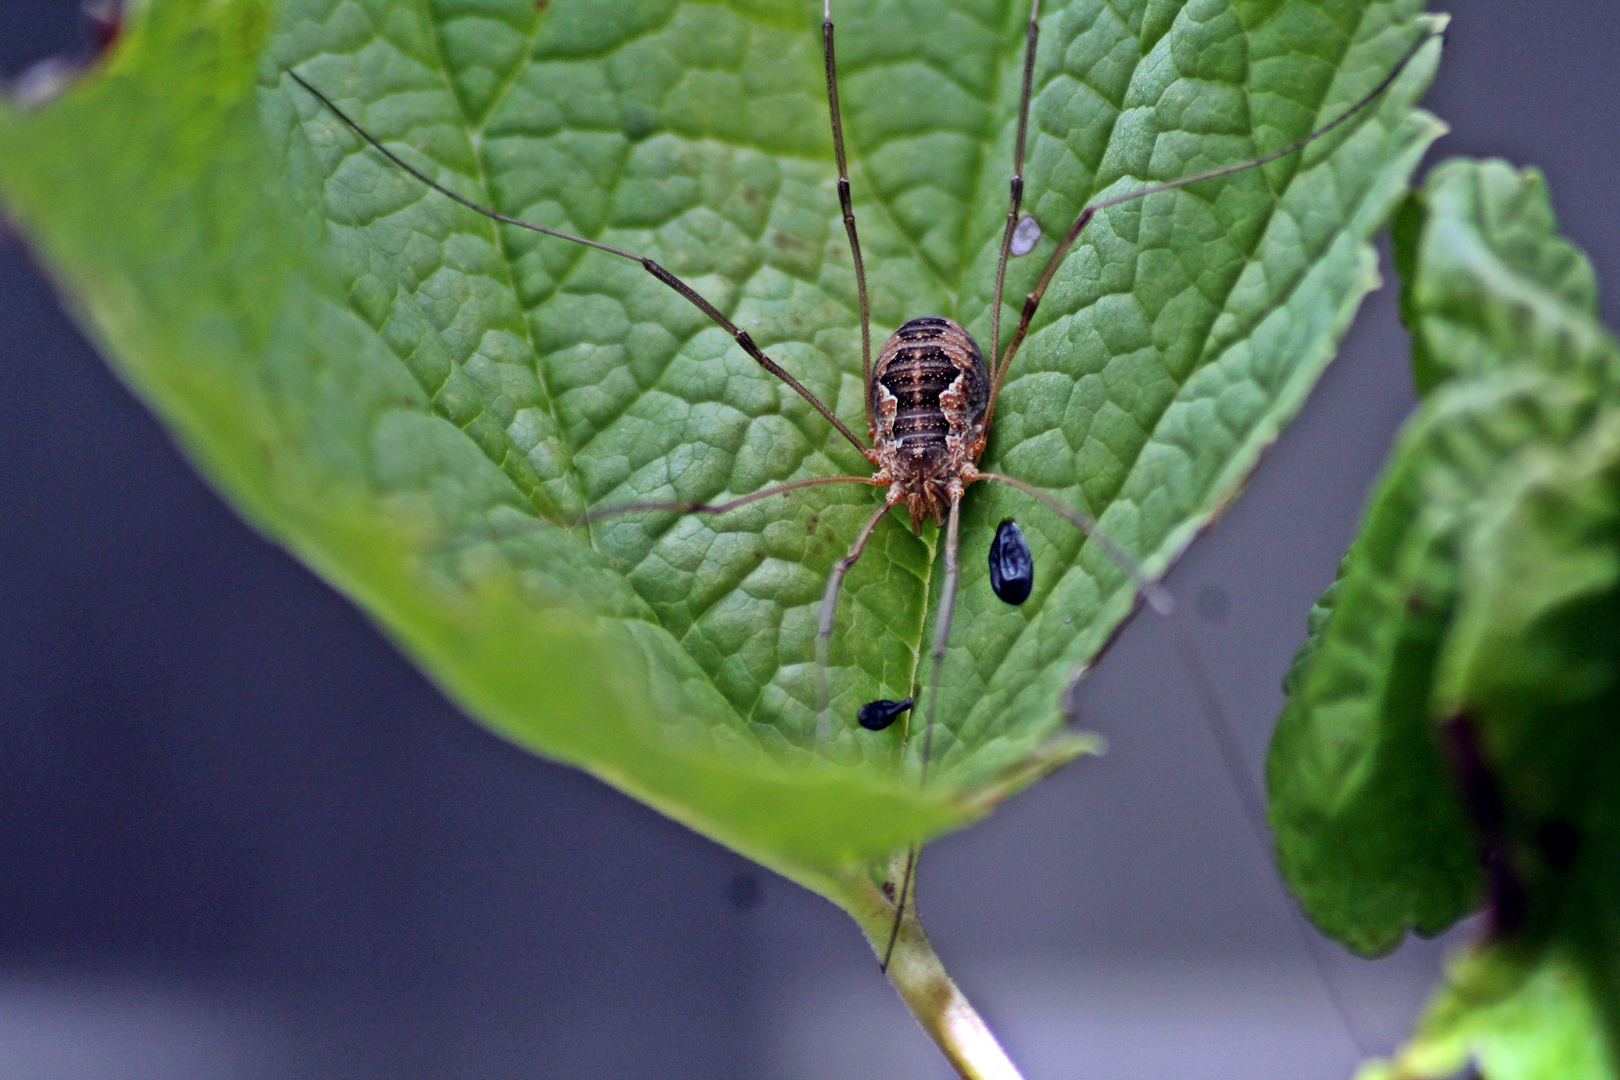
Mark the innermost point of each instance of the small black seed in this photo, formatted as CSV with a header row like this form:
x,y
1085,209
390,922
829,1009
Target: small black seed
x,y
1012,568
879,714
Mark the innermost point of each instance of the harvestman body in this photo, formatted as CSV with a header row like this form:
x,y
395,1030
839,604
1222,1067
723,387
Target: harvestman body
x,y
930,397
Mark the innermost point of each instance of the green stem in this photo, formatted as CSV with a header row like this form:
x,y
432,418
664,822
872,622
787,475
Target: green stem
x,y
916,972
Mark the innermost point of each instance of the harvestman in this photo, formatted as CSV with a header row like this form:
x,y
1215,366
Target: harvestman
x,y
929,397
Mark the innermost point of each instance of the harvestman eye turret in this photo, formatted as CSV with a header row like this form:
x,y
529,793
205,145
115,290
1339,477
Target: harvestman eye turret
x,y
930,396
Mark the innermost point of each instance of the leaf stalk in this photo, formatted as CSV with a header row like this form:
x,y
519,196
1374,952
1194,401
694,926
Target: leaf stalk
x,y
919,977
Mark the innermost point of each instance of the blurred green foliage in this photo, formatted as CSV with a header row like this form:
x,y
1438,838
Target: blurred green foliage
x,y
1452,736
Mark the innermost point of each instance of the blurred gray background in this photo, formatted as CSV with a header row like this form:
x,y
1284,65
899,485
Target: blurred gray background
x,y
242,838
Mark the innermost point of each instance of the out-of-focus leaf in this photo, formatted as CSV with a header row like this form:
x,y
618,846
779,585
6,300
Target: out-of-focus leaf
x,y
1369,831
1316,623
1483,594
1532,661
1487,282
1533,654
1517,1018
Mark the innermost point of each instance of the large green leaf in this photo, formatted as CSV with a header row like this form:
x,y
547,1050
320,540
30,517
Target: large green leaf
x,y
421,405
1532,663
1370,834
1370,831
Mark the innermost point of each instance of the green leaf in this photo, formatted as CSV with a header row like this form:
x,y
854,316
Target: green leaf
x,y
1370,831
1533,654
1533,660
1316,624
421,404
1516,1018
1487,282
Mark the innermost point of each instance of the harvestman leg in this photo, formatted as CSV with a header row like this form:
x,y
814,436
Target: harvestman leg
x,y
1033,300
1016,202
725,507
829,607
942,622
835,581
936,660
1155,594
848,209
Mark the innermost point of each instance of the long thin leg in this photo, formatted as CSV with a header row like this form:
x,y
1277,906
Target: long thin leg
x,y
829,607
1251,796
1033,300
1017,183
726,507
738,334
936,657
844,202
1157,598
942,626
906,875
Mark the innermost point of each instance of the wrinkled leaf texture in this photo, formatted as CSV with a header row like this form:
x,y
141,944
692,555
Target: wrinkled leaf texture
x,y
421,405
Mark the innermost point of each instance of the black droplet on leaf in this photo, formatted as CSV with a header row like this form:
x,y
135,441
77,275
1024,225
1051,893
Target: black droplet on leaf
x,y
1012,567
879,714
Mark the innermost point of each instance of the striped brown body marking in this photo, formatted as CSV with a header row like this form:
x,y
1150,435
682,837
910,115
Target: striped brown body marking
x,y
930,396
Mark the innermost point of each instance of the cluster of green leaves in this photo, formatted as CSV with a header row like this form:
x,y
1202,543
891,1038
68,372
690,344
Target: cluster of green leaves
x,y
422,405
1450,737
